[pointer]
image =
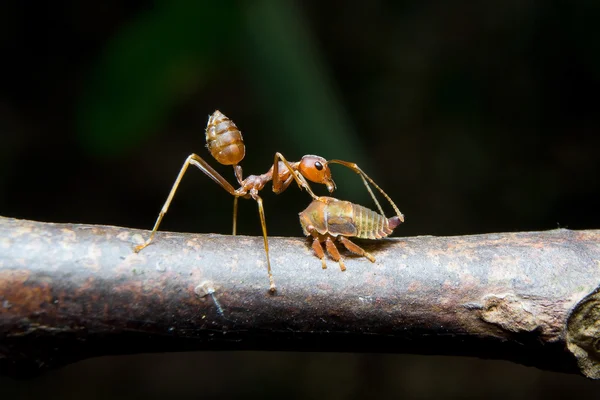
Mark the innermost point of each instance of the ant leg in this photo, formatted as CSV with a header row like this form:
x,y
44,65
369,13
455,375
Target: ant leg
x,y
334,253
366,178
237,170
282,185
356,249
261,213
235,208
197,161
278,186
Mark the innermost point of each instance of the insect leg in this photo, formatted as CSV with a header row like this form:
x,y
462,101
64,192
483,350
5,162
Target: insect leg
x,y
197,161
279,186
237,170
209,171
356,249
334,253
235,208
261,213
318,249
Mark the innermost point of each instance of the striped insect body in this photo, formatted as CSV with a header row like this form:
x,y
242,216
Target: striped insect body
x,y
327,219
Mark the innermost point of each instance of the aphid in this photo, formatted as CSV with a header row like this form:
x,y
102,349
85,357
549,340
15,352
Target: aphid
x,y
225,143
327,219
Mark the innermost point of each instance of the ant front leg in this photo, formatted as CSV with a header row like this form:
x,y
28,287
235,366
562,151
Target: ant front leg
x,y
198,162
279,185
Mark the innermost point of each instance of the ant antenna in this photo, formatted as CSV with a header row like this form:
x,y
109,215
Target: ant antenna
x,y
366,179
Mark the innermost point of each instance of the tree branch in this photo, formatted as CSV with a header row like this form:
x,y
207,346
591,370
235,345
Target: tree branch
x,y
70,291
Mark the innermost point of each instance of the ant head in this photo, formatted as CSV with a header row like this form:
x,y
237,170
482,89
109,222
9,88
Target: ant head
x,y
315,169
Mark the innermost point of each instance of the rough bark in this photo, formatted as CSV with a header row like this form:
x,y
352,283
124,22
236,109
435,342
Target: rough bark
x,y
70,291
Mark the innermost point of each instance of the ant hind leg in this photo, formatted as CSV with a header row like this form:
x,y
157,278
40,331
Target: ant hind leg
x,y
198,162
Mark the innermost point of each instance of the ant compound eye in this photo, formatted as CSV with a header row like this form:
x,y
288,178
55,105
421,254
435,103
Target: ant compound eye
x,y
318,166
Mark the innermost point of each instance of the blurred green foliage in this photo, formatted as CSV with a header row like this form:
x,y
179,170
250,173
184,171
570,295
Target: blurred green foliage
x,y
168,53
148,67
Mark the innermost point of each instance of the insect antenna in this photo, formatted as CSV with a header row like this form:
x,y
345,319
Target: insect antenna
x,y
366,180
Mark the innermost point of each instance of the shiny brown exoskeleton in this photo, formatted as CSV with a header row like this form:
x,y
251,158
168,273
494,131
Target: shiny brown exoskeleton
x,y
225,143
327,219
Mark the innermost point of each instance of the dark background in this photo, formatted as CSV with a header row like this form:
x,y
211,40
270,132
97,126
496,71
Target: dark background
x,y
473,117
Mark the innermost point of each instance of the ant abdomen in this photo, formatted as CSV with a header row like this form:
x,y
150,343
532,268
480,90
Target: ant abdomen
x,y
224,139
